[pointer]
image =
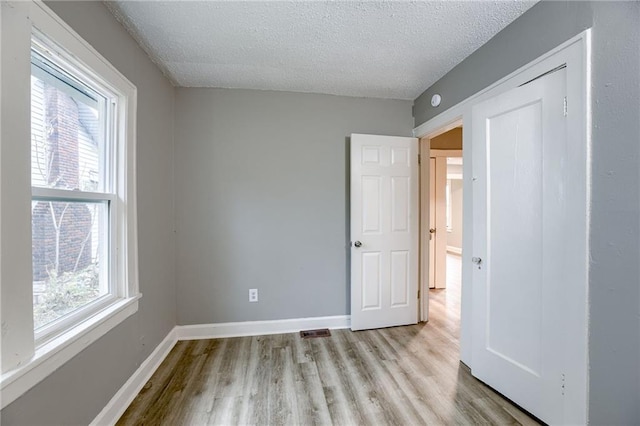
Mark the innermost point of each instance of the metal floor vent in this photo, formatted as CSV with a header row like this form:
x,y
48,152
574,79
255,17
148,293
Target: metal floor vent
x,y
308,334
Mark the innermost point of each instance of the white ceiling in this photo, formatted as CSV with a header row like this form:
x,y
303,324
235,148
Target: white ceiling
x,y
381,49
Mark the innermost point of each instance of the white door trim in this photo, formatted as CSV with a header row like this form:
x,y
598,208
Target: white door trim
x,y
576,54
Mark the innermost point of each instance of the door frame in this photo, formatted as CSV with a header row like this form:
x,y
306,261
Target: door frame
x,y
576,54
425,186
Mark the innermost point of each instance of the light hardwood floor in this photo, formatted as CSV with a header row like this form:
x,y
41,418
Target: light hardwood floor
x,y
400,375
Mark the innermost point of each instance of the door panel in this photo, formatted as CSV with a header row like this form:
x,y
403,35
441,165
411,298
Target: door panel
x,y
400,204
384,222
372,276
371,204
399,278
520,175
516,244
400,156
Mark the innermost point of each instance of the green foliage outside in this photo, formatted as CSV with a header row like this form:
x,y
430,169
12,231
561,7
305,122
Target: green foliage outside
x,y
65,293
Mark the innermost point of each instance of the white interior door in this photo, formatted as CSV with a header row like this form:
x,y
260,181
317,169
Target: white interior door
x,y
432,222
520,217
384,231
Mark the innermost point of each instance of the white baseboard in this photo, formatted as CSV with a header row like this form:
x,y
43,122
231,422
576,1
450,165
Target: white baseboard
x,y
454,250
258,328
127,393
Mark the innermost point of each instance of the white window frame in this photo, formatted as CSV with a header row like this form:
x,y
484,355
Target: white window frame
x,y
27,357
448,205
108,117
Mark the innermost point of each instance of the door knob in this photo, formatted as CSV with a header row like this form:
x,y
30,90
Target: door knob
x,y
357,244
476,260
432,230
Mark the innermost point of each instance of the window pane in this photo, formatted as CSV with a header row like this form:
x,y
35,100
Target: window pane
x,y
69,246
448,204
66,132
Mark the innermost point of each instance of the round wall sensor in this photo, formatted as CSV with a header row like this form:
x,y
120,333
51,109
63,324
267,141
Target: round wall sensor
x,y
435,100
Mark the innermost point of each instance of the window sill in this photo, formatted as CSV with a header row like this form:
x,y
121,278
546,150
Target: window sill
x,y
55,353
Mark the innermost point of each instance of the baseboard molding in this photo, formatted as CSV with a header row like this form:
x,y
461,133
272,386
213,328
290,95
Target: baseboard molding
x,y
454,250
258,328
127,393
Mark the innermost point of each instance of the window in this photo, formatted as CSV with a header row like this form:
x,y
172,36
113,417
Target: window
x,y
448,203
72,193
82,271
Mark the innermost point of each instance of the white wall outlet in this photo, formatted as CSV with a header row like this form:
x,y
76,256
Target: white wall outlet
x,y
253,295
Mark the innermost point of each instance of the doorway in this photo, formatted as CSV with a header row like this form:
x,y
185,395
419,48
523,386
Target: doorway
x,y
441,216
570,236
478,258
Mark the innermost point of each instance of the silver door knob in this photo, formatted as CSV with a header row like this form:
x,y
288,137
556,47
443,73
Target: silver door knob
x,y
357,244
476,260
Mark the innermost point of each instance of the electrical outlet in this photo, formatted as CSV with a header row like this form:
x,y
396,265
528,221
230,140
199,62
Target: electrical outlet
x,y
253,295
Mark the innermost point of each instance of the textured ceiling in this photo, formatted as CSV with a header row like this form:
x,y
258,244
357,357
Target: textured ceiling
x,y
381,49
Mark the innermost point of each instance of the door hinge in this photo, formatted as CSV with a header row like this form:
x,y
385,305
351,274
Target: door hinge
x,y
565,106
418,294
562,383
419,161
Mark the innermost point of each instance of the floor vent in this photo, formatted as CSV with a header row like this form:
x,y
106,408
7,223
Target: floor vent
x,y
308,334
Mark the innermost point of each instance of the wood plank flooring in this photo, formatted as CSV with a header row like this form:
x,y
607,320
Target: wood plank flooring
x,y
396,376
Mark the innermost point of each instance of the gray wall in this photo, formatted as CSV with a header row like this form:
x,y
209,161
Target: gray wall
x,y
614,287
538,30
262,200
77,392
